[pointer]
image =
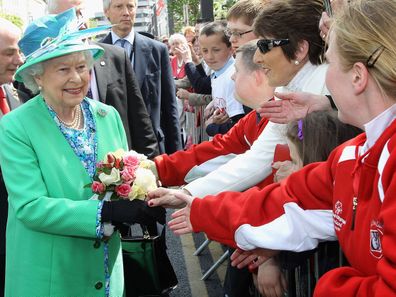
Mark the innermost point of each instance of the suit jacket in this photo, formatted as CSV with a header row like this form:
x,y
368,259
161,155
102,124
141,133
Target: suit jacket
x,y
154,75
117,86
14,99
51,229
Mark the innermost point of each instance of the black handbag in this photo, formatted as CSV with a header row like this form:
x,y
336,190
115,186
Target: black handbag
x,y
147,268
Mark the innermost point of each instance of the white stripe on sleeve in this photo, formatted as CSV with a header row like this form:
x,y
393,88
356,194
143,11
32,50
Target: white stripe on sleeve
x,y
297,230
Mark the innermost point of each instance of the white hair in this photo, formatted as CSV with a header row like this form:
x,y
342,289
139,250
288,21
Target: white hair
x,y
53,6
28,75
106,4
177,37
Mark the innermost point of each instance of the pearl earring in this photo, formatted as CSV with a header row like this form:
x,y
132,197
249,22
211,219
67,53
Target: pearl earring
x,y
40,88
296,62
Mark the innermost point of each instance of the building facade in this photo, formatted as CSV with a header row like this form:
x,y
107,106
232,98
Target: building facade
x,y
151,17
27,10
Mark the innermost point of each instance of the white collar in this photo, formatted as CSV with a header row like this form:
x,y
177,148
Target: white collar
x,y
301,77
377,126
130,37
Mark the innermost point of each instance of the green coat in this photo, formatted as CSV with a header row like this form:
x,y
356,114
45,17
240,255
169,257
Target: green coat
x,y
50,246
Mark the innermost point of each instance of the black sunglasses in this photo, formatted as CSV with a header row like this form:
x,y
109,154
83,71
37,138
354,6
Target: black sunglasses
x,y
265,45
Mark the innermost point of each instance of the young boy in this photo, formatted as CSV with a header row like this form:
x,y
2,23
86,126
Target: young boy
x,y
217,54
240,19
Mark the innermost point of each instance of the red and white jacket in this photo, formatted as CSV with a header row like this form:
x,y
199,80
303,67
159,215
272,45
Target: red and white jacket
x,y
351,196
173,168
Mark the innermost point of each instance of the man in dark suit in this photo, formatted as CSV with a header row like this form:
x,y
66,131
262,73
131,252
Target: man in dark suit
x,y
117,86
10,60
114,83
150,60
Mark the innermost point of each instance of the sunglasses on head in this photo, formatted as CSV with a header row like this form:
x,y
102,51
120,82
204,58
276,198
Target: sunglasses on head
x,y
265,45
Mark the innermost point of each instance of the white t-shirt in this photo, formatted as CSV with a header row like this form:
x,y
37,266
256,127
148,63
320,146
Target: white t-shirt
x,y
223,92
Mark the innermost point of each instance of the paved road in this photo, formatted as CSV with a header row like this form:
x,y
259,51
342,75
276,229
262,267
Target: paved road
x,y
190,268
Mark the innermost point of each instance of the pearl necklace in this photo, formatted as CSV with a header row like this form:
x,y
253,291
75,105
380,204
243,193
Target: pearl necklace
x,y
77,119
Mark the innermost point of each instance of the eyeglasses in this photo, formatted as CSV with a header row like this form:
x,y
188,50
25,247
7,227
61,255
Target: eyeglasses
x,y
230,33
374,56
265,45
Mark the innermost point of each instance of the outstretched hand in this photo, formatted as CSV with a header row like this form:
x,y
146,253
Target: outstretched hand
x,y
284,169
252,259
166,198
181,223
270,279
292,107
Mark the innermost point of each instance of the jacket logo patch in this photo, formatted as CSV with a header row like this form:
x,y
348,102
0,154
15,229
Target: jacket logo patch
x,y
338,208
339,222
376,233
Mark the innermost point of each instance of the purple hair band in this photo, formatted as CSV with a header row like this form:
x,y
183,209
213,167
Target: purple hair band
x,y
300,130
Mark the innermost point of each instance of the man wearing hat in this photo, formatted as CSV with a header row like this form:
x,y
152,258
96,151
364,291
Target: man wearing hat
x,y
150,60
10,59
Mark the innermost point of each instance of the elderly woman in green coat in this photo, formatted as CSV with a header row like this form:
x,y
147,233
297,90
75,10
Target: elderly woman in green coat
x,y
49,148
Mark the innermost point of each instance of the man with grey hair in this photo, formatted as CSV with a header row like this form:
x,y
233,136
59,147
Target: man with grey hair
x,y
150,60
113,82
10,60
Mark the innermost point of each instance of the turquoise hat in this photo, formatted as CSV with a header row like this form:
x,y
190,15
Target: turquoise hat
x,y
46,26
54,36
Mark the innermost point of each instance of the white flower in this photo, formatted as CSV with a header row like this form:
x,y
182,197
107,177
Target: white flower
x,y
140,157
145,182
147,164
111,179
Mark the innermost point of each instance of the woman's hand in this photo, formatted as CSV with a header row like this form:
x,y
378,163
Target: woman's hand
x,y
181,223
292,107
270,279
194,55
185,53
252,259
166,198
182,94
284,169
324,25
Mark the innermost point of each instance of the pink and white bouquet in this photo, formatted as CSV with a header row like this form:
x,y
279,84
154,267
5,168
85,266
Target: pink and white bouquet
x,y
123,175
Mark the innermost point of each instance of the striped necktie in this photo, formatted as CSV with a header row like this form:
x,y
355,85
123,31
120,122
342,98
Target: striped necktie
x,y
123,43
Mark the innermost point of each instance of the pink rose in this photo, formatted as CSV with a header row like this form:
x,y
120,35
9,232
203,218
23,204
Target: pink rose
x,y
131,160
128,174
110,158
123,190
98,187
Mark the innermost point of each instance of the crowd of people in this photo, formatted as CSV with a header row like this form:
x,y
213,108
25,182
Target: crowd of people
x,y
276,77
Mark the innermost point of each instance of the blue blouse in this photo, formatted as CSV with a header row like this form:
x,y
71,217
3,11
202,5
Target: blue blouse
x,y
83,142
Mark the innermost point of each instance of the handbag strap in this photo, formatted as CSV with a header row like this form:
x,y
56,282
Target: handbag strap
x,y
145,231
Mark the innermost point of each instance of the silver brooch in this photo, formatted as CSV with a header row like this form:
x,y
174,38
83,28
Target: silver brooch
x,y
102,112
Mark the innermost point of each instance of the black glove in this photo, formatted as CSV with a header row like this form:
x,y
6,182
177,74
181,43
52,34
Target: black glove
x,y
135,211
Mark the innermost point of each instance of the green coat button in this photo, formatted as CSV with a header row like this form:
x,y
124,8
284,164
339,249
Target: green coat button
x,y
98,285
96,244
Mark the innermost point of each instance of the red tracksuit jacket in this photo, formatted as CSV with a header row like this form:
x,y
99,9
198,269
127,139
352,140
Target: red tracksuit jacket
x,y
349,196
173,168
